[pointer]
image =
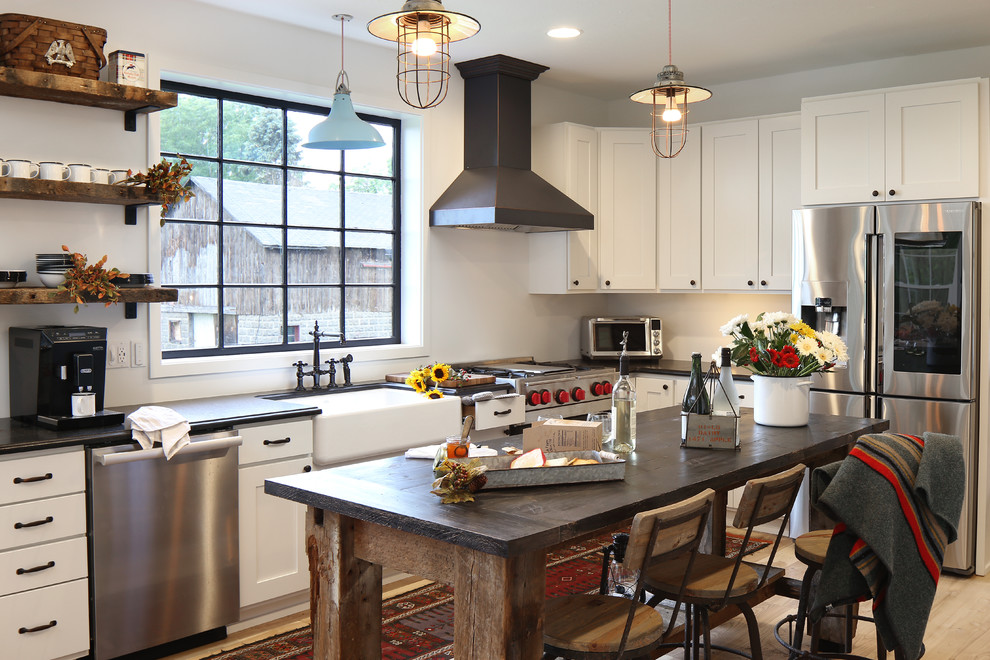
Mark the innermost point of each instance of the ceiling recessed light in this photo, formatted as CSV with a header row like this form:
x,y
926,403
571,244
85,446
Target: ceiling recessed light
x,y
563,32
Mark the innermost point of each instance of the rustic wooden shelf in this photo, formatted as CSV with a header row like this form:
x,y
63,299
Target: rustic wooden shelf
x,y
132,100
130,197
130,297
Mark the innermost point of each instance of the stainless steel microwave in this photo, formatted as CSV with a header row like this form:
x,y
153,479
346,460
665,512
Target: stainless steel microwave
x,y
601,337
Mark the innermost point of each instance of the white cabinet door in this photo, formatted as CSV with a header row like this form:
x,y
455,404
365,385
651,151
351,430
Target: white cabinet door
x,y
678,219
842,150
730,205
933,142
653,392
272,535
627,233
566,155
780,194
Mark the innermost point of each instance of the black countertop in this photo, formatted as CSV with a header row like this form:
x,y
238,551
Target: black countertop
x,y
205,415
663,366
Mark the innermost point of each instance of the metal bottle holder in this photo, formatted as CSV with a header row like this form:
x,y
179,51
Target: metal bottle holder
x,y
711,431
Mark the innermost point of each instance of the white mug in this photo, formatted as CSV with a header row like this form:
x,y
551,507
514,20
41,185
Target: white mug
x,y
22,169
80,172
100,175
117,176
53,170
83,404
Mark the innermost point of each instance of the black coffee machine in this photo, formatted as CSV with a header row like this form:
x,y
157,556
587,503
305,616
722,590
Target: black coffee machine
x,y
54,368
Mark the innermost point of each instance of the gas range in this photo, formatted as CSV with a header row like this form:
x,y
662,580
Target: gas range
x,y
553,388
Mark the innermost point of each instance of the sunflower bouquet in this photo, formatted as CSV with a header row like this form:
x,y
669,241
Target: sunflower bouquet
x,y
780,344
426,380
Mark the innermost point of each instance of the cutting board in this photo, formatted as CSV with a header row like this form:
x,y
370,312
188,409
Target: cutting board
x,y
470,379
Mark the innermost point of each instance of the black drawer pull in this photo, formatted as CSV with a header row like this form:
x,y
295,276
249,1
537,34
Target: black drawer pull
x,y
502,412
283,441
35,523
50,624
22,571
28,480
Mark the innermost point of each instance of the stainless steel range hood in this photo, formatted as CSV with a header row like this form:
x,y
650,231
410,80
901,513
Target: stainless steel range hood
x,y
497,189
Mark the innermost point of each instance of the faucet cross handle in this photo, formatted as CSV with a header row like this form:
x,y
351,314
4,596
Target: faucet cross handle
x,y
299,375
333,372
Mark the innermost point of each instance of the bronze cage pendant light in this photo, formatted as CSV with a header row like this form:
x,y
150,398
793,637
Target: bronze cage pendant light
x,y
423,31
670,96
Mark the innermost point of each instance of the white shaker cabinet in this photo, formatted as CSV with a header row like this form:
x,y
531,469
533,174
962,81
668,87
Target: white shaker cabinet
x,y
627,210
655,391
566,155
909,143
272,531
678,218
780,194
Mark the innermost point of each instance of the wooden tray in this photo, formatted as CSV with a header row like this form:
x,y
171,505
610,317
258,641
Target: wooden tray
x,y
501,476
470,379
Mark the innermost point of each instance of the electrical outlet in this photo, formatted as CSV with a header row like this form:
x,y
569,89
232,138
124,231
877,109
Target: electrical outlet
x,y
118,354
137,354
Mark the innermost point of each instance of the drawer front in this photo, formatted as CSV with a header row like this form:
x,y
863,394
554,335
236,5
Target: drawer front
x,y
41,521
46,623
42,565
272,442
37,475
500,412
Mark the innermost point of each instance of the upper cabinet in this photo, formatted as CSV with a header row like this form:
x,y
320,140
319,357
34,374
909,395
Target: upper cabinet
x,y
678,218
780,194
911,143
627,227
566,155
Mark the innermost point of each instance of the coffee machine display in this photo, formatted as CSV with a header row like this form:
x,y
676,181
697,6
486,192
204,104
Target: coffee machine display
x,y
57,376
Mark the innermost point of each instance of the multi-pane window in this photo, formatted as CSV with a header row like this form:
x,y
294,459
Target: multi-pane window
x,y
277,237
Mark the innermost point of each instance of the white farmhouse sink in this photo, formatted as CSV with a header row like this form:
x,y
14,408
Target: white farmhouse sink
x,y
382,420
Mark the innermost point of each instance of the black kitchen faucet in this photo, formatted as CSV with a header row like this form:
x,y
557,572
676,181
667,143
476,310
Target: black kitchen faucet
x,y
317,372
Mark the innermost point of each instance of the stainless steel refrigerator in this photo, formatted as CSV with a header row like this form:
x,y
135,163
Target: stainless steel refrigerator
x,y
899,283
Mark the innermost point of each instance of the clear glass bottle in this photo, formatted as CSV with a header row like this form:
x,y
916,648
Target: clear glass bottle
x,y
696,396
624,408
725,400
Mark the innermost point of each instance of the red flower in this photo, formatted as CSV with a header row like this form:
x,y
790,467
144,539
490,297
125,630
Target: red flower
x,y
774,357
754,355
790,360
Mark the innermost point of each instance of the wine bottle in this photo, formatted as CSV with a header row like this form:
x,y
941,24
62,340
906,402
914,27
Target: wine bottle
x,y
624,407
725,401
696,400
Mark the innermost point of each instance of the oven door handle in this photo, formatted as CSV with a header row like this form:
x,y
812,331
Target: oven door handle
x,y
196,447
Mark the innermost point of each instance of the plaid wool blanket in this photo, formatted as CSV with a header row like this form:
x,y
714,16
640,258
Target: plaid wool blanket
x,y
897,499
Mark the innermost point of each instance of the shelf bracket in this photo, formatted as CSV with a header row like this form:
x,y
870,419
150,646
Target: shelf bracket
x,y
130,215
130,310
130,116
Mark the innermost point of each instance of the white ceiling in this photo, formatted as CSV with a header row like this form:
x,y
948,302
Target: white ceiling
x,y
624,43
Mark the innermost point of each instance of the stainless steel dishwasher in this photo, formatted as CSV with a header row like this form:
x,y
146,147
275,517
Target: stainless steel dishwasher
x,y
163,543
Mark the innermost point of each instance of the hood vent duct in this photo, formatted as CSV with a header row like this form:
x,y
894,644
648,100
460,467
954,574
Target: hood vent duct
x,y
497,189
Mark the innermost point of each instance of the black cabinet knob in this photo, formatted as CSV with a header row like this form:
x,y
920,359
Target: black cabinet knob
x,y
666,387
308,468
608,283
692,282
763,282
575,282
749,282
876,193
891,192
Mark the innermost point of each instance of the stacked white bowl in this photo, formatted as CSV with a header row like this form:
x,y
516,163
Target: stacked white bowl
x,y
51,268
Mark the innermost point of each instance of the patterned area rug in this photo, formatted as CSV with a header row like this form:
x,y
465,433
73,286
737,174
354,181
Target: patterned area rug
x,y
419,625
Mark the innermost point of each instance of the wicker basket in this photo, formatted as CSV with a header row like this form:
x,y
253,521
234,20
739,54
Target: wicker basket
x,y
44,44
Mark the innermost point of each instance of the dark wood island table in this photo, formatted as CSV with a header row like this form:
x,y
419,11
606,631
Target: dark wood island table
x,y
364,516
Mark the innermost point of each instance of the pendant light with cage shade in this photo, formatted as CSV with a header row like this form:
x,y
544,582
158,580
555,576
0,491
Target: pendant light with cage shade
x,y
423,31
343,129
669,97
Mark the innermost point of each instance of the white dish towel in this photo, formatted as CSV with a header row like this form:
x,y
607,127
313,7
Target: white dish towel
x,y
151,425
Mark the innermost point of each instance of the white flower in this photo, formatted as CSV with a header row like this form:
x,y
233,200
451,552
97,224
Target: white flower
x,y
805,345
824,356
734,325
778,317
834,344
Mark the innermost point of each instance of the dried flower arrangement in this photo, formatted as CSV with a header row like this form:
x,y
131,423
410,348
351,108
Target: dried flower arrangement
x,y
457,482
88,282
165,179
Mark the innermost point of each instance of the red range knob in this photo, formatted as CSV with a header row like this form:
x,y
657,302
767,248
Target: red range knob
x,y
545,396
562,396
534,399
608,387
577,394
596,389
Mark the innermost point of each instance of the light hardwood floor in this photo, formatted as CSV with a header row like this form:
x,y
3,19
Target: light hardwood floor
x,y
957,628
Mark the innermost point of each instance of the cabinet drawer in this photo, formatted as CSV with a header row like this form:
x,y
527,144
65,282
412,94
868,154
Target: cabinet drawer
x,y
272,442
60,611
500,412
38,475
42,565
41,521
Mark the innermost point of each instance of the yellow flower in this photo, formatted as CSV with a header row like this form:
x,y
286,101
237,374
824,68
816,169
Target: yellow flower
x,y
433,394
440,372
802,328
415,381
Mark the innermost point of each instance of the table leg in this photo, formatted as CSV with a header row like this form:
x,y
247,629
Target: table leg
x,y
345,592
498,605
717,522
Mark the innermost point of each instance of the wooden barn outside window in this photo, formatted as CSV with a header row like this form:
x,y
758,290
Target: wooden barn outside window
x,y
277,237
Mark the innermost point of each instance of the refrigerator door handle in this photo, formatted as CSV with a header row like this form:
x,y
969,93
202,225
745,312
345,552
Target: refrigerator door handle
x,y
877,313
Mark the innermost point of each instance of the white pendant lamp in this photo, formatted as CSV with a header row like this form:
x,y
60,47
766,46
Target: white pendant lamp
x,y
423,30
670,96
343,129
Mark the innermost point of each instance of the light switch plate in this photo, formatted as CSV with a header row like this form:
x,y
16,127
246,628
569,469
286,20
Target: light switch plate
x,y
138,354
118,354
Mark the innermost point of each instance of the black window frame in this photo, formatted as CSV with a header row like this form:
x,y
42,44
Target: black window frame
x,y
286,106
